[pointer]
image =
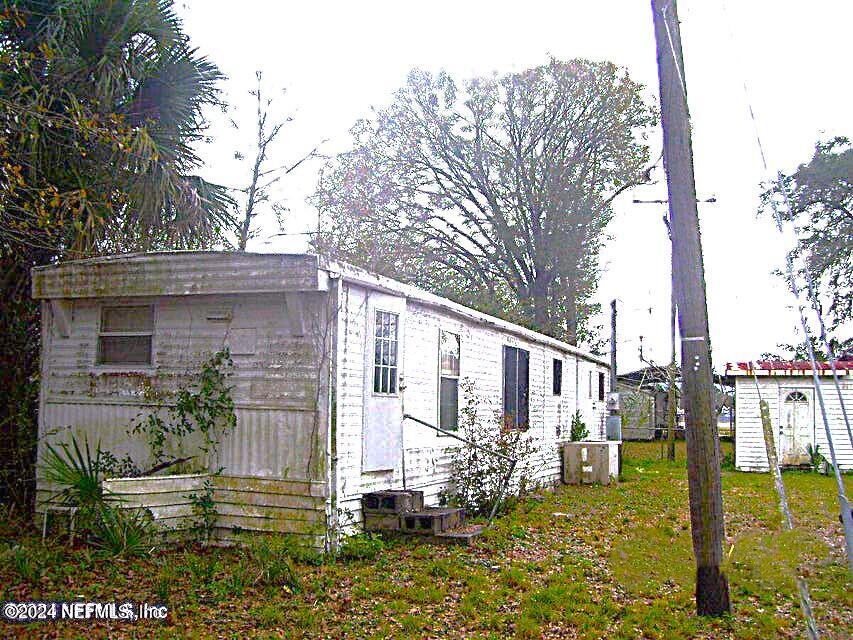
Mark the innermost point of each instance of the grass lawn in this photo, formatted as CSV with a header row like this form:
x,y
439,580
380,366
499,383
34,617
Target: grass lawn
x,y
584,562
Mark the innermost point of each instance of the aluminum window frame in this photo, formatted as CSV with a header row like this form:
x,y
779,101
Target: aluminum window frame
x,y
449,376
517,423
102,333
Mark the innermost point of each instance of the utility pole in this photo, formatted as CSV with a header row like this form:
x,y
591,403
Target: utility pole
x,y
672,390
614,419
613,345
672,369
703,453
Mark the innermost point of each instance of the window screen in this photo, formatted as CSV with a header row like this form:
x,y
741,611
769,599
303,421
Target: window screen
x,y
557,377
600,386
126,335
448,393
385,353
516,387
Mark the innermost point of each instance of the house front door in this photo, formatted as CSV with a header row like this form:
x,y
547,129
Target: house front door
x,y
382,439
796,429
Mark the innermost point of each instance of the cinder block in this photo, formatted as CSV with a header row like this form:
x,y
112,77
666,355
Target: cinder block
x,y
432,521
381,522
393,501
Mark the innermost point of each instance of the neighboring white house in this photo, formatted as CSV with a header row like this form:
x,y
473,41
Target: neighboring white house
x,y
789,389
327,359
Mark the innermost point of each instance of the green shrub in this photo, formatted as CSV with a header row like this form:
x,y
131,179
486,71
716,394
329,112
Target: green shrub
x,y
362,546
578,431
478,476
122,532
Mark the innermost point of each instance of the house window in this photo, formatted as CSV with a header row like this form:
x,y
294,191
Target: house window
x,y
557,377
797,396
590,385
448,392
516,387
600,386
385,353
126,335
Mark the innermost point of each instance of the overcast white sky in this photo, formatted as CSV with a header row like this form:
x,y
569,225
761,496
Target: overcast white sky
x,y
337,59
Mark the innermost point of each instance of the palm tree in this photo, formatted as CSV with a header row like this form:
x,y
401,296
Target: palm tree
x,y
101,104
105,100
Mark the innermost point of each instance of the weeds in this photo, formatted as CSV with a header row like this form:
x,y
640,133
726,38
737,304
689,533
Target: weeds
x,y
122,532
269,563
363,546
588,562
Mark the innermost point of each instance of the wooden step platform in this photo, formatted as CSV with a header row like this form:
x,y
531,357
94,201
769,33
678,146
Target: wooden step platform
x,y
463,536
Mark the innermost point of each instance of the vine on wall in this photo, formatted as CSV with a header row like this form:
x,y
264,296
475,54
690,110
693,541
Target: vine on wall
x,y
205,407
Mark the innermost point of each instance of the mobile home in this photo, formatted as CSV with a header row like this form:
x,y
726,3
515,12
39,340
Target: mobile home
x,y
327,360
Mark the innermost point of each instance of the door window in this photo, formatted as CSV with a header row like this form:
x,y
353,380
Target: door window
x,y
385,353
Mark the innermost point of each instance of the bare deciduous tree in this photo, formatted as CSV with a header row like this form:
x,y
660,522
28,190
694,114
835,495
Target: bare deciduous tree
x,y
496,194
258,190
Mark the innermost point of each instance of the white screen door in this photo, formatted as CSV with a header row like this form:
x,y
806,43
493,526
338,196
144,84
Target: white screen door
x,y
383,405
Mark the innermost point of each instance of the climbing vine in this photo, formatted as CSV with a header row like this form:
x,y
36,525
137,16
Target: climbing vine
x,y
205,407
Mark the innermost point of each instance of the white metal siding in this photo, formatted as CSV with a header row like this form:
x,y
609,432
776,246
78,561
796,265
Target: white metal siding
x,y
427,454
177,273
276,380
751,454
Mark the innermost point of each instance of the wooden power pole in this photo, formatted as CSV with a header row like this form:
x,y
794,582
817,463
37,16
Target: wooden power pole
x,y
703,452
614,418
672,390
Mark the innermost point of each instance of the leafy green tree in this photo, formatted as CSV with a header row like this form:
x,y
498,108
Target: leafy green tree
x,y
496,193
841,349
101,106
821,207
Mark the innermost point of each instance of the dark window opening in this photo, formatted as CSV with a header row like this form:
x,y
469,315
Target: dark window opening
x,y
557,377
516,387
126,335
601,386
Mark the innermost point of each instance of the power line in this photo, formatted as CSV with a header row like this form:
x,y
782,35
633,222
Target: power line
x,y
778,183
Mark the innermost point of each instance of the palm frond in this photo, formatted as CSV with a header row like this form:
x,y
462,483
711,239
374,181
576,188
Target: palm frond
x,y
77,471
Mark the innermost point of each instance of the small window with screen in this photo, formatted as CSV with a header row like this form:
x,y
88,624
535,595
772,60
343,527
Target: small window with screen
x,y
126,335
448,392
